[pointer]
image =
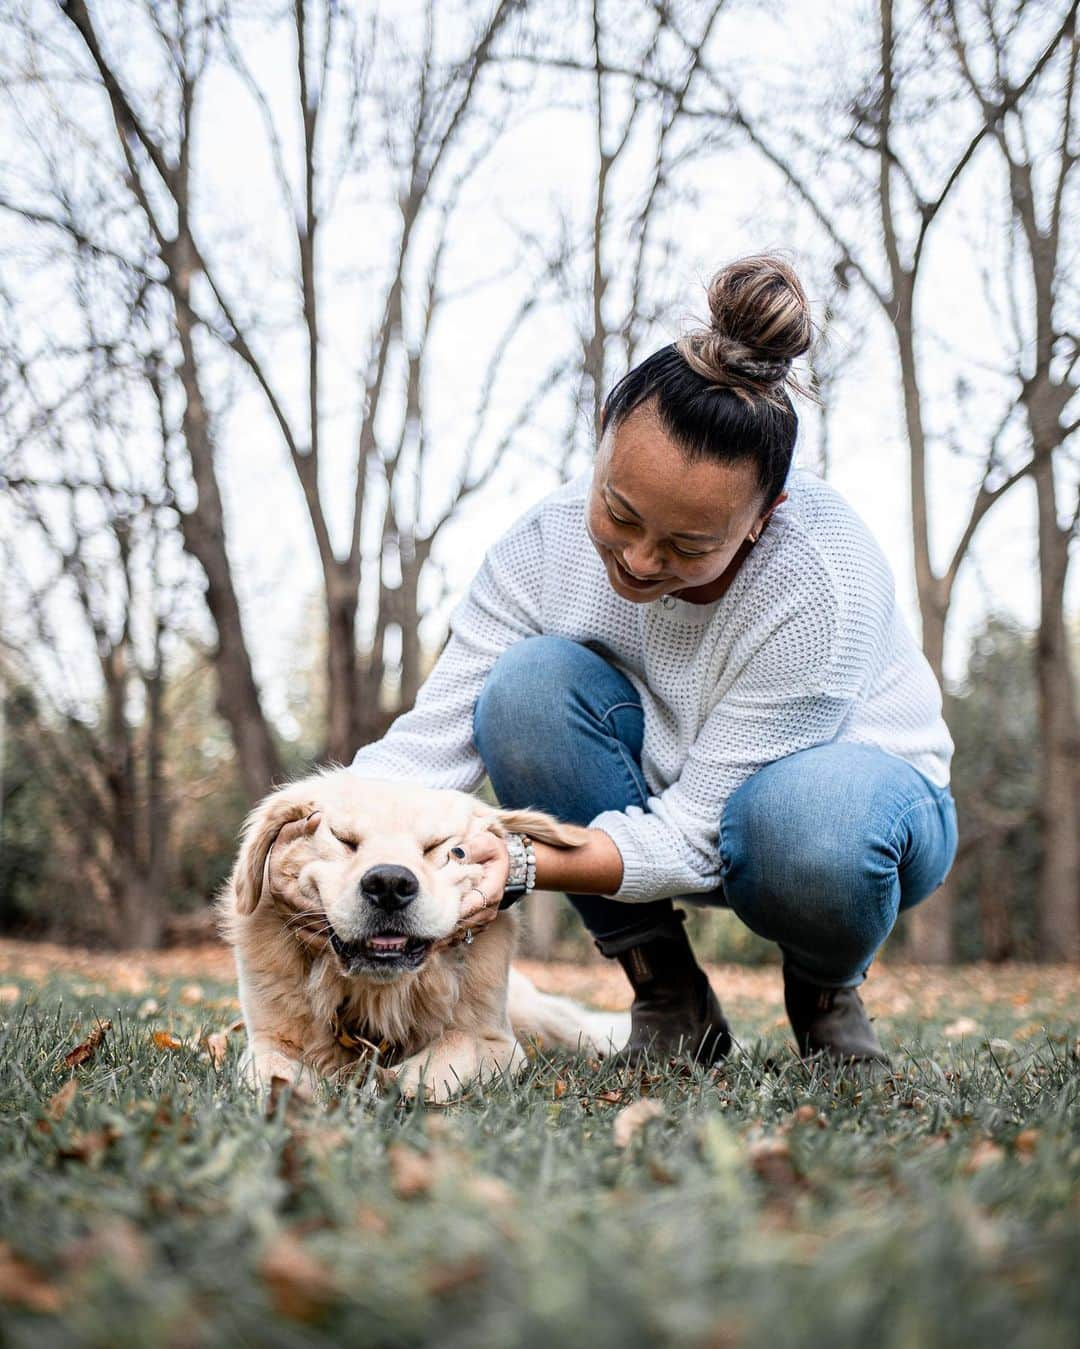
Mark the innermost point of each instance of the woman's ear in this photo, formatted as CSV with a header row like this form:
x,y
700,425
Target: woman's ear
x,y
539,826
260,830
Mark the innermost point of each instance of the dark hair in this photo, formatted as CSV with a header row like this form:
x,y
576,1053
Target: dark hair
x,y
721,392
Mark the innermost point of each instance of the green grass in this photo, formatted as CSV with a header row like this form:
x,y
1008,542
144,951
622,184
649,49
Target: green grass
x,y
165,1207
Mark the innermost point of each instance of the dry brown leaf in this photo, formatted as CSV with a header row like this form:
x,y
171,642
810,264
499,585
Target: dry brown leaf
x,y
412,1173
301,1287
25,1286
633,1118
116,1242
89,1144
58,1105
660,1172
962,1026
558,1089
448,1278
809,1114
370,1220
235,1027
770,1159
489,1191
609,1097
1026,1142
85,1052
984,1153
164,1039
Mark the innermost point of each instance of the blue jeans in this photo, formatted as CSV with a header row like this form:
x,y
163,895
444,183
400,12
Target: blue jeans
x,y
819,851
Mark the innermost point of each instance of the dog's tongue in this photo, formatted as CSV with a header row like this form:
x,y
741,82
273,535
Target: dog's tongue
x,y
388,943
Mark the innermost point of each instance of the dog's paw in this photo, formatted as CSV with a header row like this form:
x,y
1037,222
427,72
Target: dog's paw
x,y
270,1071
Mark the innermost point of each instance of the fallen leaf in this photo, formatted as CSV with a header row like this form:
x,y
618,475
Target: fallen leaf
x,y
960,1027
631,1119
58,1105
370,1220
88,1145
1026,1141
412,1173
448,1278
301,1287
24,1285
984,1153
116,1242
558,1090
770,1160
609,1097
661,1173
191,994
85,1052
147,1008
489,1191
164,1039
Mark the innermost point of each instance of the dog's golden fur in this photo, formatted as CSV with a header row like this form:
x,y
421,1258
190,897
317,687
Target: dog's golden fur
x,y
448,1020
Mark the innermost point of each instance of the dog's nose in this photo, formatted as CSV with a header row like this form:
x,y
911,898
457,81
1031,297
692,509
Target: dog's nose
x,y
389,887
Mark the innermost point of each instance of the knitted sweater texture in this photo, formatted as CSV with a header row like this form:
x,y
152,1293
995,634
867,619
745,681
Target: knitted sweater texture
x,y
805,648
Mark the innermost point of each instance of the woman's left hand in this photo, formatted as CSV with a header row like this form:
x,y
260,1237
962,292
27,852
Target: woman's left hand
x,y
480,905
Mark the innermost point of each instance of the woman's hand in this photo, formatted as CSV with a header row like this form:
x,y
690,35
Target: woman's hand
x,y
480,904
275,877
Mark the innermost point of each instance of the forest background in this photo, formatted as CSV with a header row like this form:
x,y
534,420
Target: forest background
x,y
301,306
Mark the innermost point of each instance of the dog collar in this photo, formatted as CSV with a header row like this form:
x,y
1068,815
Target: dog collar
x,y
360,1040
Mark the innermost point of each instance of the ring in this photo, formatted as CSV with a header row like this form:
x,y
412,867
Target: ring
x,y
468,938
478,891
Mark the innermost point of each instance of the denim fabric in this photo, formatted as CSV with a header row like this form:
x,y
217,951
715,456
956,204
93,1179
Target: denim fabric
x,y
819,851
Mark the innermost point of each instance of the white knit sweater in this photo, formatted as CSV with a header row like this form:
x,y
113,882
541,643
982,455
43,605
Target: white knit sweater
x,y
806,647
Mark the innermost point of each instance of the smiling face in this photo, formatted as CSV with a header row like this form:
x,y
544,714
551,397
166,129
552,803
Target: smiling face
x,y
375,879
664,525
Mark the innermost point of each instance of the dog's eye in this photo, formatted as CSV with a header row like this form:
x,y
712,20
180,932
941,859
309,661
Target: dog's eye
x,y
351,843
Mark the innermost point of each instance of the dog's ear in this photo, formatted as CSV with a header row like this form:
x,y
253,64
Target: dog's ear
x,y
261,828
540,826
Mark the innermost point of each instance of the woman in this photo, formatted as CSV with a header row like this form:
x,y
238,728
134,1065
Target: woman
x,y
696,652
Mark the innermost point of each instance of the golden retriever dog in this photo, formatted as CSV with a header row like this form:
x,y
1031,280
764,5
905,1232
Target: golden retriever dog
x,y
352,960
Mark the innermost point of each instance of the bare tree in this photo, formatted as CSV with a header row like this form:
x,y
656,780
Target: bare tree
x,y
889,161
1038,137
98,535
375,103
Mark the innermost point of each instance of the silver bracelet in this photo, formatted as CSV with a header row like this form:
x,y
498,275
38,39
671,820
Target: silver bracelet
x,y
522,876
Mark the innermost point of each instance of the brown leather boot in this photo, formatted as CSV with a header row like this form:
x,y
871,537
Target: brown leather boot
x,y
675,1010
831,1021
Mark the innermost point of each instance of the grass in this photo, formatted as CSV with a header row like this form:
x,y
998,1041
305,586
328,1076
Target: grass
x,y
768,1203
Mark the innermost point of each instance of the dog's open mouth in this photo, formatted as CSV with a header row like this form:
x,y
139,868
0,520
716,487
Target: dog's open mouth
x,y
384,950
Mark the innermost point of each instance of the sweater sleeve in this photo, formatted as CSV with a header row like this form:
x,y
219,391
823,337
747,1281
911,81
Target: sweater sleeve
x,y
792,693
433,743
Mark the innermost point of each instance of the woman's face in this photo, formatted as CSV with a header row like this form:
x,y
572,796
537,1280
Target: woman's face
x,y
661,525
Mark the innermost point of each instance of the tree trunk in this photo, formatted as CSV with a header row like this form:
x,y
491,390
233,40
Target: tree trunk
x,y
203,530
1058,896
929,926
342,683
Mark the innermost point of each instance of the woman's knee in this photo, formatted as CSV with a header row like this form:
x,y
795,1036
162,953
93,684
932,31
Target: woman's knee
x,y
537,686
803,843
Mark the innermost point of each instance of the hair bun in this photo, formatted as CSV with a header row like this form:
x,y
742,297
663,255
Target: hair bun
x,y
760,324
